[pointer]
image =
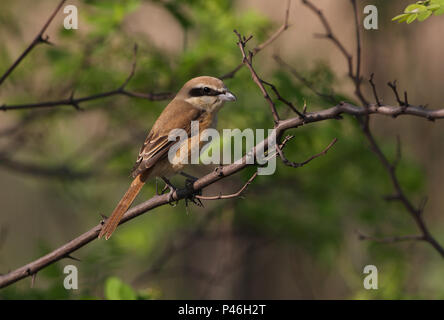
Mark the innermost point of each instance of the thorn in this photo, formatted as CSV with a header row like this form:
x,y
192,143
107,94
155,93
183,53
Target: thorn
x,y
33,280
45,40
76,106
71,257
422,205
102,222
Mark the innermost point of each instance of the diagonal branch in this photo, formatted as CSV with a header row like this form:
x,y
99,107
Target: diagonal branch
x,y
75,102
266,43
209,179
391,239
300,164
403,108
328,97
38,39
330,35
248,62
230,196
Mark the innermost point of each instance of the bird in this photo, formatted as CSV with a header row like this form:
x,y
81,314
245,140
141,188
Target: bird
x,y
199,99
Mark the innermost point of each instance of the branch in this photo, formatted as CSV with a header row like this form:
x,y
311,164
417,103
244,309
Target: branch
x,y
391,239
266,43
75,102
328,97
209,179
357,76
329,35
354,76
404,107
38,39
300,164
282,99
375,93
393,86
58,171
248,62
230,196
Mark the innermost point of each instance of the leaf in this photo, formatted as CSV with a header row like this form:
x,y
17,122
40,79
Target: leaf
x,y
400,17
437,2
115,289
439,11
415,8
412,18
424,15
433,7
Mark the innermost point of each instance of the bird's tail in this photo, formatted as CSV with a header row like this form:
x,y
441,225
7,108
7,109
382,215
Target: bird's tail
x,y
113,221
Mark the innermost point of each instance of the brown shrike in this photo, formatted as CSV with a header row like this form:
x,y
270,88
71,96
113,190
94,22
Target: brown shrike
x,y
199,100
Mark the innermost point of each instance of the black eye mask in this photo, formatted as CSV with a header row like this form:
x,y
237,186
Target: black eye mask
x,y
203,91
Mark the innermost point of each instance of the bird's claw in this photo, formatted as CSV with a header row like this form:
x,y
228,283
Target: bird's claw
x,y
172,188
193,193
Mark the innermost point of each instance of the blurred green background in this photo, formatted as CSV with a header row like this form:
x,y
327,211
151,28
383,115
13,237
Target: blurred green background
x,y
294,235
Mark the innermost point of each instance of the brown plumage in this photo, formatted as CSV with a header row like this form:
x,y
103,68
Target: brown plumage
x,y
199,100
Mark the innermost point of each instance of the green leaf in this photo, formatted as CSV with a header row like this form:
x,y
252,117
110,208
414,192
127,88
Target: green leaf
x,y
415,8
412,18
400,16
115,289
424,15
437,2
439,11
433,7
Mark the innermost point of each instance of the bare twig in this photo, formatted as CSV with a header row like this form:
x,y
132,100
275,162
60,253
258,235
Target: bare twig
x,y
209,179
282,99
375,93
300,164
233,195
266,43
328,97
393,86
248,62
329,35
38,39
357,76
403,108
354,76
75,102
393,239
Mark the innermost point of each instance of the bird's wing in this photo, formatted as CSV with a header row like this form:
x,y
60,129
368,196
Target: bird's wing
x,y
177,115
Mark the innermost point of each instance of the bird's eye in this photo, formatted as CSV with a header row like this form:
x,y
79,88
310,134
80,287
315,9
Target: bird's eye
x,y
206,90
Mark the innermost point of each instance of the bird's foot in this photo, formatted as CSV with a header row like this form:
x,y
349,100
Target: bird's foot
x,y
189,182
188,176
172,188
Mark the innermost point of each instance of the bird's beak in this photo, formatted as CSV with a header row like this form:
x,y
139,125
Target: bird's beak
x,y
227,96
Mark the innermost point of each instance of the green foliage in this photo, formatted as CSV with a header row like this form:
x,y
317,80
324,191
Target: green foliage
x,y
116,289
421,10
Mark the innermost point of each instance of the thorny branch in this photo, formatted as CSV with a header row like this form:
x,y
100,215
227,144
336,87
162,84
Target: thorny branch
x,y
75,102
230,196
280,126
261,46
209,179
404,107
38,39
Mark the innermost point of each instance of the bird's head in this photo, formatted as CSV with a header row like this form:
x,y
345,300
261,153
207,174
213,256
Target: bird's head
x,y
207,93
